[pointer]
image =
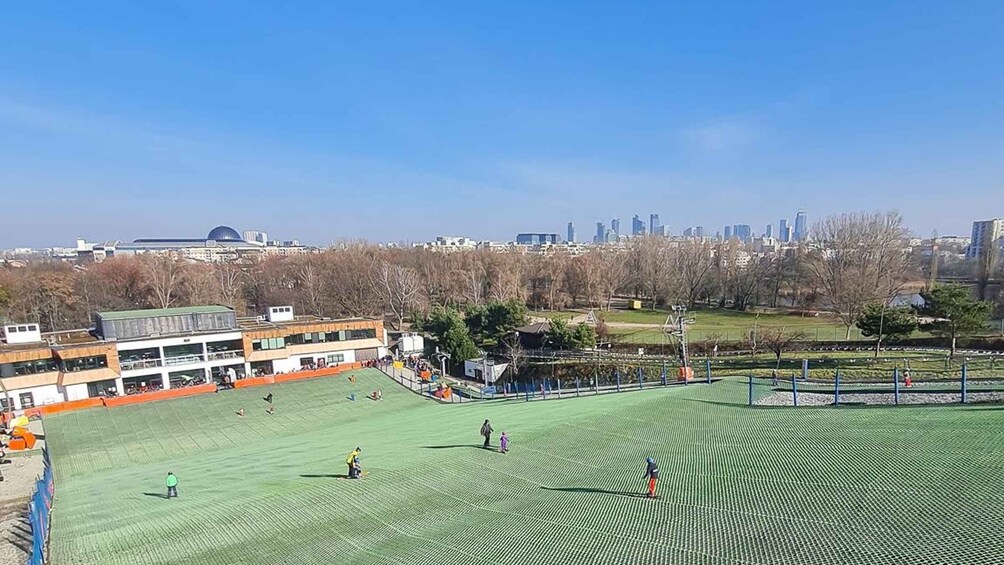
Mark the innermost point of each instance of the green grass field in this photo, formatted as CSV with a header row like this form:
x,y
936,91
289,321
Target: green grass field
x,y
739,485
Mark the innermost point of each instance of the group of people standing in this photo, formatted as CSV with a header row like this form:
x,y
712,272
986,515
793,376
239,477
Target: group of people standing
x,y
486,432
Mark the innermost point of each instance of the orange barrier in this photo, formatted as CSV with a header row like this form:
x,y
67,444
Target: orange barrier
x,y
17,444
325,372
64,407
158,395
685,374
254,381
180,392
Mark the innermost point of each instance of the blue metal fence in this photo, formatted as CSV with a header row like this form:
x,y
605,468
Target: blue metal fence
x,y
38,512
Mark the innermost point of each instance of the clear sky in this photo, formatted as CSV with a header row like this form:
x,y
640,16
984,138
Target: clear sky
x,y
402,121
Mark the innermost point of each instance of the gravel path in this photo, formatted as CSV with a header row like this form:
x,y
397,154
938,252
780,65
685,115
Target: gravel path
x,y
15,491
784,398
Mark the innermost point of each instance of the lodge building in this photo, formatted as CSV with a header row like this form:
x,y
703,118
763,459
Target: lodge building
x,y
136,351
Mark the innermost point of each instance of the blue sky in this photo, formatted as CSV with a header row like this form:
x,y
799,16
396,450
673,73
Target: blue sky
x,y
402,121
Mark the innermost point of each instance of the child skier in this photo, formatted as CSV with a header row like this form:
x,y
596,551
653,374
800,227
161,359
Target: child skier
x,y
172,485
504,443
652,474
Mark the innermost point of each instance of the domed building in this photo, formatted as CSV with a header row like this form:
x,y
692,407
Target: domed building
x,y
224,233
223,243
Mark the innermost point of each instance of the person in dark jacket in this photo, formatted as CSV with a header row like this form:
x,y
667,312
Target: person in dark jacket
x,y
652,474
486,431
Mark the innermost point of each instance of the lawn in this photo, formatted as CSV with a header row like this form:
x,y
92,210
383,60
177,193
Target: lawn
x,y
739,485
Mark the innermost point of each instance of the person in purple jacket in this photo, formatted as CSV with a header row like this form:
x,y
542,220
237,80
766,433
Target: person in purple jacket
x,y
504,443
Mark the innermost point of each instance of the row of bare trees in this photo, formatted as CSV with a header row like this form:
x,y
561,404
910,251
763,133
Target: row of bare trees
x,y
860,259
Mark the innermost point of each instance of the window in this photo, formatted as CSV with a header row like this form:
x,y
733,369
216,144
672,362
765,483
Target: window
x,y
85,363
367,333
27,400
267,344
101,388
336,358
22,328
28,367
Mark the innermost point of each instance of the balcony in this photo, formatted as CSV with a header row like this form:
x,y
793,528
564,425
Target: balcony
x,y
140,364
232,354
184,360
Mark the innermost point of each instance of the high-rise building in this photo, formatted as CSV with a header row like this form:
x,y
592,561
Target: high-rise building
x,y
801,227
742,232
256,236
689,232
570,232
653,224
615,226
699,231
782,231
788,236
728,233
637,226
986,234
770,231
601,232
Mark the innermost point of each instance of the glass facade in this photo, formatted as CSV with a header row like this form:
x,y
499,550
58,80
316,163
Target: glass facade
x,y
85,363
21,368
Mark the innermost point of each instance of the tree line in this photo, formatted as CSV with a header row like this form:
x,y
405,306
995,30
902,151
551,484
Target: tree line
x,y
852,261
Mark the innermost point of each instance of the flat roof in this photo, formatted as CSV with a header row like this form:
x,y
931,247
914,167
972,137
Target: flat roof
x,y
181,311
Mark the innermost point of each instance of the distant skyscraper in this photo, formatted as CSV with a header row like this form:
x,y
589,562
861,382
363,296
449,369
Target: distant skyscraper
x,y
699,231
689,232
570,233
637,226
770,231
615,226
653,224
782,231
728,233
601,232
801,227
742,232
788,236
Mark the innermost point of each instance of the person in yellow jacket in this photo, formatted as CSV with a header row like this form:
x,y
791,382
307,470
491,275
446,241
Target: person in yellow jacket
x,y
353,462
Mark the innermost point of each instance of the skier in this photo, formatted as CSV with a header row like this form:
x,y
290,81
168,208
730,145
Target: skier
x,y
486,430
353,462
652,474
172,485
504,443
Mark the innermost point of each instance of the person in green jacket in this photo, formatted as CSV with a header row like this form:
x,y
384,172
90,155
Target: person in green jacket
x,y
172,485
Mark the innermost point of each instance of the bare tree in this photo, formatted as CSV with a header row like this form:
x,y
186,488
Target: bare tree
x,y
164,278
860,259
310,286
987,267
401,288
613,274
199,286
514,355
694,262
778,340
229,283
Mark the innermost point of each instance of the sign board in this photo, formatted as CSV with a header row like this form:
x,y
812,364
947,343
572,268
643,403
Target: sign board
x,y
591,317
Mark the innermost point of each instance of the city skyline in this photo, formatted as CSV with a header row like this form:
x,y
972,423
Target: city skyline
x,y
531,121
